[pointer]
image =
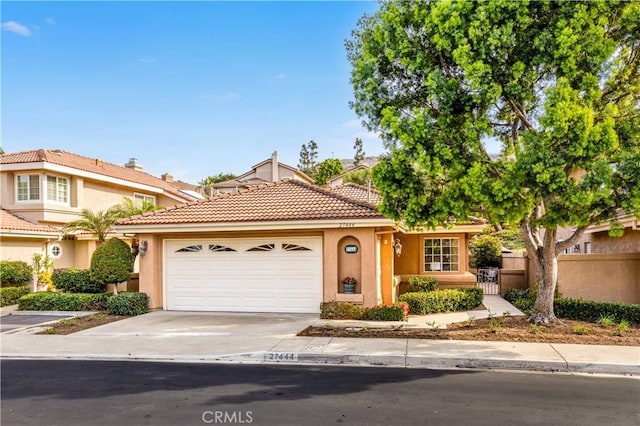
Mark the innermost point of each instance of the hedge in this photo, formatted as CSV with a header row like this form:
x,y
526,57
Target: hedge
x,y
10,295
76,281
463,299
128,303
15,272
340,310
418,283
395,312
577,309
49,301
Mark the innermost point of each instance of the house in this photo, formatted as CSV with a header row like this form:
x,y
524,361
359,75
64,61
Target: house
x,y
285,247
596,238
20,238
49,188
338,180
269,170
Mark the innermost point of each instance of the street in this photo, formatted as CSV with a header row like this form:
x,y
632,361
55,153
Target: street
x,y
45,392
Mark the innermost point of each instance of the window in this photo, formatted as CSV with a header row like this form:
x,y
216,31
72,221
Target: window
x,y
141,199
57,189
28,187
441,254
217,248
263,247
294,247
55,250
190,249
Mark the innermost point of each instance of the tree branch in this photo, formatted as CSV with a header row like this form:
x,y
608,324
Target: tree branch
x,y
520,113
565,244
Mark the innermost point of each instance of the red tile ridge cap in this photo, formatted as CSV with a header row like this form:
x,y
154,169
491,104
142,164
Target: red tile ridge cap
x,y
341,197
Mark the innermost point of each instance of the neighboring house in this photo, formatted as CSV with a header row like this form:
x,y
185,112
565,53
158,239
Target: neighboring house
x,y
339,179
596,238
286,247
51,187
20,238
269,170
358,192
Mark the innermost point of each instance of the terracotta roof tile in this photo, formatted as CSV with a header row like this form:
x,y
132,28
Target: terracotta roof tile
x,y
358,192
287,200
93,165
12,222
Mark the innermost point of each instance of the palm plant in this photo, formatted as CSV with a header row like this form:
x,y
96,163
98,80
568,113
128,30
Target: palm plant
x,y
129,208
97,223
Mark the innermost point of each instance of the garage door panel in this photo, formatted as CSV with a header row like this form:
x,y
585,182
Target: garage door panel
x,y
278,280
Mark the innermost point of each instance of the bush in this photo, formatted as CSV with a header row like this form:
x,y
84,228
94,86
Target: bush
x,y
75,281
10,295
128,303
487,250
592,311
514,294
340,310
15,272
422,284
48,301
463,299
111,262
395,312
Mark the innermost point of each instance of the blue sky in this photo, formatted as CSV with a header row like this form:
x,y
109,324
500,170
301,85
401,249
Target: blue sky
x,y
192,89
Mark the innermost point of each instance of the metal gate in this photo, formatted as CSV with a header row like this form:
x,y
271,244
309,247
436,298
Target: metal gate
x,y
488,280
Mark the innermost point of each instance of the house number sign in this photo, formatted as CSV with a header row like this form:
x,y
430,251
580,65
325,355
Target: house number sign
x,y
351,248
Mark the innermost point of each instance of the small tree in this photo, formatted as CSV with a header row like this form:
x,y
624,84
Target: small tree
x,y
359,155
97,223
360,177
487,250
206,184
327,169
308,162
111,263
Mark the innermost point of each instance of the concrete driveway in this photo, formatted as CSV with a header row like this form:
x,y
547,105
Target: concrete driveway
x,y
212,324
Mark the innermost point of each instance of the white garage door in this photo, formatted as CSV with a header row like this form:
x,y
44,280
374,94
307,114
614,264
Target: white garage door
x,y
244,275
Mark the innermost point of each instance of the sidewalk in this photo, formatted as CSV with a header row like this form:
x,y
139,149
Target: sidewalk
x,y
281,346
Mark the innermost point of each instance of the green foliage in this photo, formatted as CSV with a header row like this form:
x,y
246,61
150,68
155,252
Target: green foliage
x,y
487,250
359,154
129,208
50,301
580,329
42,266
308,162
15,272
395,312
75,281
10,295
606,321
422,303
340,310
96,223
419,283
111,262
592,311
327,169
555,83
360,177
511,239
207,183
128,303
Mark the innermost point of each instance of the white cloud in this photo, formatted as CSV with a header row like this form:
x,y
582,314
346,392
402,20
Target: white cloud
x,y
35,27
50,21
281,76
15,27
229,96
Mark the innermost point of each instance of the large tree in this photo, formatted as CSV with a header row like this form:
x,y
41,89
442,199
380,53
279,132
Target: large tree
x,y
308,161
327,169
556,84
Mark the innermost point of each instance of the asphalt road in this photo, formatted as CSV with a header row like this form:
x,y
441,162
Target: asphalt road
x,y
135,393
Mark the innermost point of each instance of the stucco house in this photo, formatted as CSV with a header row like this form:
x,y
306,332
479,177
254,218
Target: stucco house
x,y
286,247
269,170
49,188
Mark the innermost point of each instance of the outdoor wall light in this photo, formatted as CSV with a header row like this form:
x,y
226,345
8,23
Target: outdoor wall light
x,y
142,248
397,245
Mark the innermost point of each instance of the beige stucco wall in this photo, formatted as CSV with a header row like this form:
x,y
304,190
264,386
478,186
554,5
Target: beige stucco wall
x,y
613,277
21,249
601,242
411,261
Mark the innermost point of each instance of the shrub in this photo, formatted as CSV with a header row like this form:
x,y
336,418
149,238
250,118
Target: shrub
x,y
422,303
75,281
487,250
395,312
48,301
422,284
128,303
521,298
592,311
10,295
15,272
513,294
111,262
340,310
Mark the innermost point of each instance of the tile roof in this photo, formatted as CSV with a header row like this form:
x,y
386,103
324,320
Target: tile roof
x,y
287,200
358,192
12,222
93,165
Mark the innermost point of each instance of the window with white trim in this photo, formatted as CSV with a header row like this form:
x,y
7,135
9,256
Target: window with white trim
x,y
58,189
55,250
441,254
28,187
140,200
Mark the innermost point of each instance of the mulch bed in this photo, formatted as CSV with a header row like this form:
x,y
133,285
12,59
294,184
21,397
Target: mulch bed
x,y
72,325
503,329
